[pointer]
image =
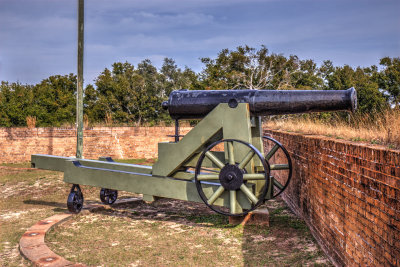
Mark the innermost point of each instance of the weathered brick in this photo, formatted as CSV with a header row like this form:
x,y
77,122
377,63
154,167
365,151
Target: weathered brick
x,y
354,193
18,144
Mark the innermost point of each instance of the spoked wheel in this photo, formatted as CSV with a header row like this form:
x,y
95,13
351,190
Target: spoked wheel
x,y
230,175
75,199
108,196
280,165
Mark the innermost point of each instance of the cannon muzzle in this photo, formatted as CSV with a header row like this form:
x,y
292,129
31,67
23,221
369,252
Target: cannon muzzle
x,y
186,104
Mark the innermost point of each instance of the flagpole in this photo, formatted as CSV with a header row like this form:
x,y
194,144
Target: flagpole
x,y
79,95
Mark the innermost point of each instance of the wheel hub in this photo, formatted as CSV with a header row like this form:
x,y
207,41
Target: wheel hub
x,y
231,177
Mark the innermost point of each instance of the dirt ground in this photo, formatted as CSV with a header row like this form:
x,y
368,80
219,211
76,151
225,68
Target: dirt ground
x,y
135,233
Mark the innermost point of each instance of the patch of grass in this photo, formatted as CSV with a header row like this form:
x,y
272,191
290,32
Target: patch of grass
x,y
152,243
258,230
215,220
298,257
26,176
358,139
277,211
392,146
17,165
289,221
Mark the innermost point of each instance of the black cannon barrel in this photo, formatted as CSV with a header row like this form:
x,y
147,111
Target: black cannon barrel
x,y
186,104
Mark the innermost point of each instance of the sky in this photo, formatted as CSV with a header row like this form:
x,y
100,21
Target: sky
x,y
38,38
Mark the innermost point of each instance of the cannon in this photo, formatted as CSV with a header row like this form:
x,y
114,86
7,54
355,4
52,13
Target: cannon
x,y
224,161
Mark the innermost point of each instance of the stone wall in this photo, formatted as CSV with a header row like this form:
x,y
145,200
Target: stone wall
x,y
349,195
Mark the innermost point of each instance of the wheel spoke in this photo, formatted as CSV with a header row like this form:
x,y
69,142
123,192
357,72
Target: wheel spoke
x,y
231,155
277,184
246,159
279,166
216,195
254,176
205,177
248,193
214,159
232,200
271,152
230,172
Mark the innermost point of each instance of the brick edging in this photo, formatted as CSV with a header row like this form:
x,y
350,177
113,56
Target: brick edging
x,y
33,247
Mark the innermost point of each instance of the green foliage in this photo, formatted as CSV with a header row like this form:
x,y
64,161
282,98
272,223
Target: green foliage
x,y
54,100
389,79
370,98
174,78
129,95
132,95
15,101
250,68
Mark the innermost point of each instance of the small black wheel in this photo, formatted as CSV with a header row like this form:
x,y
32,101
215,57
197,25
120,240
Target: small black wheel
x,y
230,177
75,199
280,165
108,196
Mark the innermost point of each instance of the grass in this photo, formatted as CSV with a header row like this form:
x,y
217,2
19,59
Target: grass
x,y
164,233
125,240
382,128
21,205
214,220
27,196
177,233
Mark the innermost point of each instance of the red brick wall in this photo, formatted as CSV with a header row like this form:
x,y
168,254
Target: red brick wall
x,y
17,144
349,195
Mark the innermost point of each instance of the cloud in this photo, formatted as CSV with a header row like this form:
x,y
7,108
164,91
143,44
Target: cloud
x,y
145,22
38,38
166,5
177,18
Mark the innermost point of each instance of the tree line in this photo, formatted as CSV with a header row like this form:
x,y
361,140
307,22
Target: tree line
x,y
129,94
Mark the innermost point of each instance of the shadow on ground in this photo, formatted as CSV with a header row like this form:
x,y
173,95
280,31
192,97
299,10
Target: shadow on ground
x,y
287,241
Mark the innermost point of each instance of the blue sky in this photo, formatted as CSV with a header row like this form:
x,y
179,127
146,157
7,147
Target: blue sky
x,y
38,38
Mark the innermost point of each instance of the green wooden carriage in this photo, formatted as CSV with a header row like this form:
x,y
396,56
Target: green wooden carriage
x,y
224,161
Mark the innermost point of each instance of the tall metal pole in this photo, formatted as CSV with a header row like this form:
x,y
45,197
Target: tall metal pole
x,y
79,95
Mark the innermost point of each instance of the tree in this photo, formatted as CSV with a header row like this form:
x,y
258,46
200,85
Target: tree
x,y
129,95
370,99
54,100
16,101
175,79
249,68
307,77
4,120
134,95
389,79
